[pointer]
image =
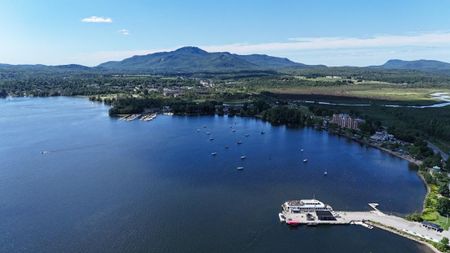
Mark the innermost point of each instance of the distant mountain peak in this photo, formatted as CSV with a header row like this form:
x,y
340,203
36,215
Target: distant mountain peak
x,y
190,49
194,60
421,65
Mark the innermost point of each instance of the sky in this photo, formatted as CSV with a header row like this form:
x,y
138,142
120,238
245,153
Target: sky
x,y
331,32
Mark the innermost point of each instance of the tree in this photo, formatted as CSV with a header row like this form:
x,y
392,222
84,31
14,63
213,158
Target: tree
x,y
3,94
443,190
415,217
443,206
443,244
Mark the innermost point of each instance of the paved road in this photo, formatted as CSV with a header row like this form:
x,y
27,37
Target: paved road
x,y
438,150
413,228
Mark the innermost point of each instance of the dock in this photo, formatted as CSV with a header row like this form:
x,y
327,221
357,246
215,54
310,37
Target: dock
x,y
143,117
368,219
130,117
148,117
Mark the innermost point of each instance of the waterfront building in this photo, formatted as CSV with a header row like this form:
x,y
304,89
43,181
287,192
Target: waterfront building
x,y
382,136
346,121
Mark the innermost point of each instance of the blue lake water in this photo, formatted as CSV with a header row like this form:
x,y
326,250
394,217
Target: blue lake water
x,y
114,186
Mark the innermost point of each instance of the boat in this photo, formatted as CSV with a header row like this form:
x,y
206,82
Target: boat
x,y
239,142
44,152
214,153
240,168
310,212
233,130
243,157
325,173
304,206
292,222
305,160
301,150
211,139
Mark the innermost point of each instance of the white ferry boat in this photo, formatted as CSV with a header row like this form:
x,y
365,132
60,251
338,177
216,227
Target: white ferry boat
x,y
306,211
305,206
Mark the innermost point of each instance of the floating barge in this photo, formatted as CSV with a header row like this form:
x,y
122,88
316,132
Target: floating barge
x,y
309,212
312,212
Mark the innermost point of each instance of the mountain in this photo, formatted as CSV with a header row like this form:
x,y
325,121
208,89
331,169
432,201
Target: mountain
x,y
190,60
46,68
194,59
421,65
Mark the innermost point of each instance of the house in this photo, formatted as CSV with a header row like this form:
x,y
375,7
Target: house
x,y
382,136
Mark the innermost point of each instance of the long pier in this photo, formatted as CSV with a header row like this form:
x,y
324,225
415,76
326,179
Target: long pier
x,y
368,219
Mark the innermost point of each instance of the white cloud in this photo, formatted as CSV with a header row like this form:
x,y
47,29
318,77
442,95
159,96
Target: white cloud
x,y
316,43
95,19
124,32
355,51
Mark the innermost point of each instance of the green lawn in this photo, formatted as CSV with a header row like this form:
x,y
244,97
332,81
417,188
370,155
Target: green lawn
x,y
367,91
430,213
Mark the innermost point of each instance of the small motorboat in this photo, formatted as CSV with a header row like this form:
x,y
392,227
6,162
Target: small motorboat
x,y
233,130
292,222
240,168
325,173
301,150
243,157
214,153
305,160
239,142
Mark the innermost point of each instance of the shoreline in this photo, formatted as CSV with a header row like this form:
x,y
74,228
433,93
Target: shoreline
x,y
411,160
406,158
405,235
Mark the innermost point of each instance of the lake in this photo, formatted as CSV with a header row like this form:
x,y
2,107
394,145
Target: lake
x,y
108,185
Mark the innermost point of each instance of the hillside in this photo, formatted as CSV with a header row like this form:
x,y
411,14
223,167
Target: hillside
x,y
193,59
420,65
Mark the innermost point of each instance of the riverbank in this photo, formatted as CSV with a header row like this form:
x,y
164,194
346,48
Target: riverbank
x,y
420,240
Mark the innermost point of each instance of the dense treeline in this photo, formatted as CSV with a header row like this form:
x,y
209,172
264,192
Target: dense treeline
x,y
130,105
417,78
282,115
89,85
406,123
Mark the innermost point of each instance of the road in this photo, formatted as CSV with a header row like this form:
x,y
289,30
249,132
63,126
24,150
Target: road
x,y
438,150
412,228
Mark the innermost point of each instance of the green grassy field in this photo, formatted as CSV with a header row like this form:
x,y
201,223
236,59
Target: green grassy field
x,y
430,213
366,91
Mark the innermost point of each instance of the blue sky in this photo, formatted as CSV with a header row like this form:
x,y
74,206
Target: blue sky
x,y
345,32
